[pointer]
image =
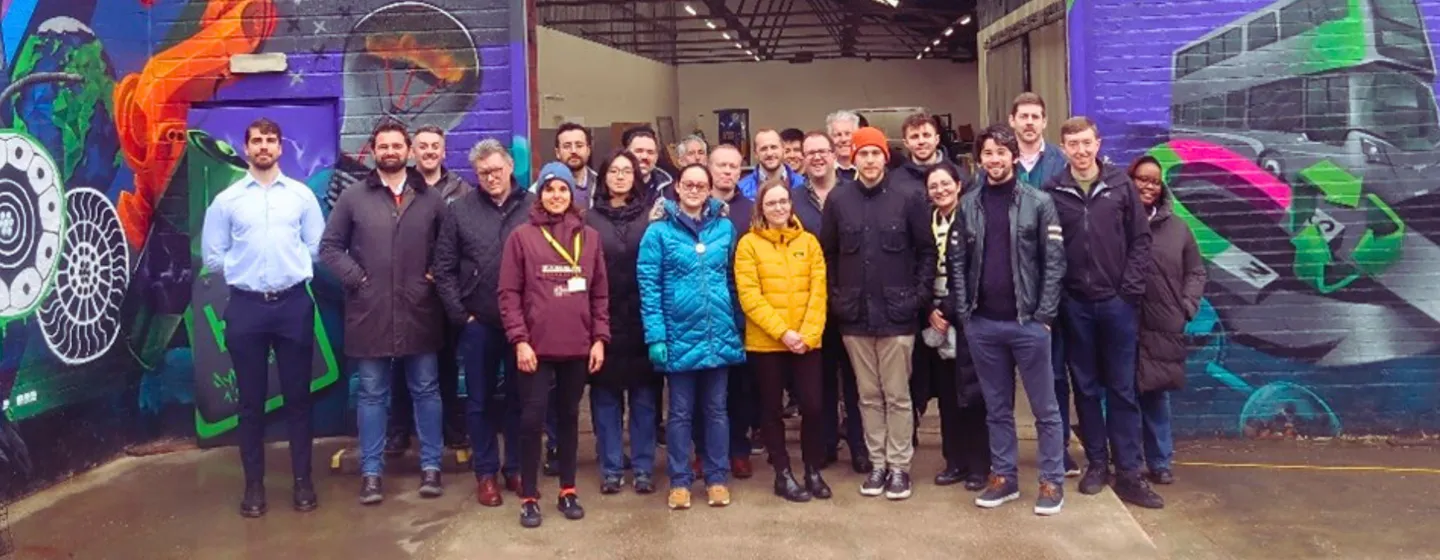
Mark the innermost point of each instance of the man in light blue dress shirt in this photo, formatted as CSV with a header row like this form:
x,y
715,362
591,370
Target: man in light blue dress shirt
x,y
262,233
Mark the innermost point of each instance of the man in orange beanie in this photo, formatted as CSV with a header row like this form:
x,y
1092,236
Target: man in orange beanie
x,y
878,243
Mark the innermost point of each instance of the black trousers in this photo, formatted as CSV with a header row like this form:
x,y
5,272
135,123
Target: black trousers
x,y
568,378
254,327
402,409
837,380
964,436
774,371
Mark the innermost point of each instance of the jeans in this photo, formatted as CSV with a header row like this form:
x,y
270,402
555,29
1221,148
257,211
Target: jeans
x,y
741,403
882,377
374,403
1159,447
490,408
448,362
700,392
1101,342
773,372
1001,349
568,380
253,328
607,410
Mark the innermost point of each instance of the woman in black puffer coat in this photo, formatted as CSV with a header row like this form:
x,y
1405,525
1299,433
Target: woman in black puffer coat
x,y
1173,288
620,214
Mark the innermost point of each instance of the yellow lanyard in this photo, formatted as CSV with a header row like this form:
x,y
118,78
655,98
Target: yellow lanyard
x,y
574,261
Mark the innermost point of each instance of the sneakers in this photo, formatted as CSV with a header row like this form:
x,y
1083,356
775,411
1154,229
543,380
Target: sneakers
x,y
611,484
530,516
1072,469
874,484
719,495
998,491
1132,488
679,498
1051,499
644,484
370,491
569,505
899,486
430,486
1095,478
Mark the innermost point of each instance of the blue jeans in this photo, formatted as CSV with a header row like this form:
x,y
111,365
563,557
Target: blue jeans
x,y
1155,414
607,409
423,376
1001,349
490,408
701,392
1101,343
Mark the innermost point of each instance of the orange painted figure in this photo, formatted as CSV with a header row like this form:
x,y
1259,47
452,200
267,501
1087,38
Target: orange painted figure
x,y
151,106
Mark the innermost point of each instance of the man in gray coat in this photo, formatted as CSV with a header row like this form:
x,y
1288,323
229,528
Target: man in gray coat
x,y
379,242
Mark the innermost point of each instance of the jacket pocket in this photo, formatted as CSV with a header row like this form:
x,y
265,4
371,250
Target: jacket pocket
x,y
893,239
844,304
902,305
851,239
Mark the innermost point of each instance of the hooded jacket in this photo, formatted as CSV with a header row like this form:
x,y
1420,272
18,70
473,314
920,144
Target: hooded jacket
x,y
780,278
537,303
1173,289
687,288
469,251
749,184
1107,237
381,250
627,359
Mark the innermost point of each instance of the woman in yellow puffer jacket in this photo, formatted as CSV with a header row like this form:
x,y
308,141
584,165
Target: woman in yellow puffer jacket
x,y
780,277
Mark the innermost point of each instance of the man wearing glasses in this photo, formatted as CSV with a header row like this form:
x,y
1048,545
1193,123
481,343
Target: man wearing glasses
x,y
573,148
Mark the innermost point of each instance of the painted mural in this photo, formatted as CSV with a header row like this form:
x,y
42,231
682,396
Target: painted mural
x,y
119,121
1302,143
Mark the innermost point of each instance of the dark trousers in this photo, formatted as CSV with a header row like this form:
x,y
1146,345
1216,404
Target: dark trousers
x,y
964,438
742,407
492,407
254,327
401,407
568,379
837,379
1101,339
1004,350
774,371
1062,375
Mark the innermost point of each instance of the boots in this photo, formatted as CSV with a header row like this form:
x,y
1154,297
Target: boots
x,y
786,487
816,484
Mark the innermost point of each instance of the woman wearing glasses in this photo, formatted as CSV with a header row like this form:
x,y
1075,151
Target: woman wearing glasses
x,y
1173,288
692,326
619,214
780,276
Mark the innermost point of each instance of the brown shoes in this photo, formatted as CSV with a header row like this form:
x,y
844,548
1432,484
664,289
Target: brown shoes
x,y
487,491
740,468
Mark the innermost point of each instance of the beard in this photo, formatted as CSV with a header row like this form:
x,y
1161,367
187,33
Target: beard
x,y
263,162
575,163
390,165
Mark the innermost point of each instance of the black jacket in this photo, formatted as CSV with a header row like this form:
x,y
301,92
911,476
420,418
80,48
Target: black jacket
x,y
469,251
1107,237
1037,255
627,359
1172,297
881,258
381,252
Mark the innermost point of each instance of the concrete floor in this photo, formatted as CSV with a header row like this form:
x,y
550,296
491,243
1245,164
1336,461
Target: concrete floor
x,y
183,506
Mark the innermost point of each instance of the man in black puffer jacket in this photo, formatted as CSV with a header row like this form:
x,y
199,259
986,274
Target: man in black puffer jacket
x,y
1107,249
467,271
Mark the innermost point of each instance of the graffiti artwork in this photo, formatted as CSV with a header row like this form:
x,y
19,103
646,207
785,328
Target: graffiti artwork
x,y
118,126
1301,140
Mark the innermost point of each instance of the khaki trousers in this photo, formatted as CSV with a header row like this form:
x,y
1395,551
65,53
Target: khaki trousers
x,y
882,377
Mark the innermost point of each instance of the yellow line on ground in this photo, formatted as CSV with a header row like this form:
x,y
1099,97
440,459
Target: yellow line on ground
x,y
1342,468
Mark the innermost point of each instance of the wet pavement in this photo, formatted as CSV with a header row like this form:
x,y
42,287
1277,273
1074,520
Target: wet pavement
x,y
183,505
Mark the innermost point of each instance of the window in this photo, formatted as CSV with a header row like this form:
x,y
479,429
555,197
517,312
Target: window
x,y
1235,110
1278,106
1191,60
1327,108
1224,46
1261,32
1212,111
1399,11
1399,108
1305,15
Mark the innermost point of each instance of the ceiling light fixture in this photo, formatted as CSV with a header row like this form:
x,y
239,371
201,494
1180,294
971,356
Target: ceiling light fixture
x,y
726,35
891,3
749,52
965,20
757,59
690,10
949,31
737,45
927,49
919,56
710,24
935,42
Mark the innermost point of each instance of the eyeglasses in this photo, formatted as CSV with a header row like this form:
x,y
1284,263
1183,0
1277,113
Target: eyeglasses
x,y
819,153
782,203
620,171
494,171
689,186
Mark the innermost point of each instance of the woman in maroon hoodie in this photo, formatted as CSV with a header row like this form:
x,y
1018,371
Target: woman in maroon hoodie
x,y
554,302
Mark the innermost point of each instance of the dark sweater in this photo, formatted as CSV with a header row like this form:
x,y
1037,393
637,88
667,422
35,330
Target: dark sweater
x,y
996,299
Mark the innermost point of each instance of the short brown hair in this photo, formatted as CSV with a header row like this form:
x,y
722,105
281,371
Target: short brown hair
x,y
1076,125
819,134
1027,98
779,181
389,125
263,125
917,120
432,129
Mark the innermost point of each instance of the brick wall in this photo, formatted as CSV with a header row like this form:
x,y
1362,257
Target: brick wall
x,y
1299,138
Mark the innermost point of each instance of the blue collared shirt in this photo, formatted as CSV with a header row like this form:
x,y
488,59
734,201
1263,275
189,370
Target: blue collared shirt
x,y
264,239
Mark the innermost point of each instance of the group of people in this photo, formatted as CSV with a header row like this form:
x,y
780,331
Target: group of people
x,y
830,273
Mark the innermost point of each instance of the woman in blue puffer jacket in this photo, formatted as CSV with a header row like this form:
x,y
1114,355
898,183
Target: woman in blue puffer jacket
x,y
692,326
